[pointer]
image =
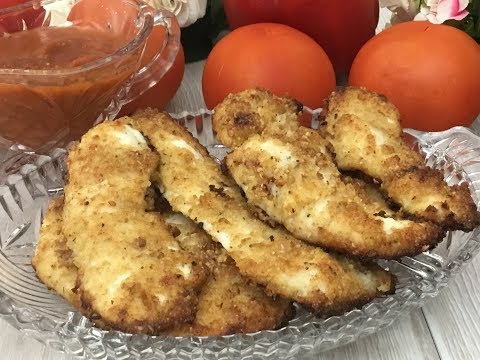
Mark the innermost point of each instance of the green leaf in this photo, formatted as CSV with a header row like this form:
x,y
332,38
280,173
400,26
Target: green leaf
x,y
218,21
196,40
199,38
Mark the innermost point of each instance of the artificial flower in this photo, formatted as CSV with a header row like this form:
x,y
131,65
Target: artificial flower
x,y
439,11
403,10
186,11
410,7
58,11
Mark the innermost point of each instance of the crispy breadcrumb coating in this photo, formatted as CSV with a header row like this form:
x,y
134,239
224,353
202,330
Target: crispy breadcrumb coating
x,y
364,129
228,302
132,273
287,171
52,260
240,115
286,266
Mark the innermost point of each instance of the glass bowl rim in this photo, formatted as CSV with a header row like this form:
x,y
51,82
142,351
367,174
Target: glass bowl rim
x,y
140,36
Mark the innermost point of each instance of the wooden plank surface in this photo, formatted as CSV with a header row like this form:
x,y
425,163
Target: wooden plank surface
x,y
15,346
454,316
409,338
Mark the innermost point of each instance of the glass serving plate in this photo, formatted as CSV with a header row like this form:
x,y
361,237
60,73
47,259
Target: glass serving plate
x,y
30,307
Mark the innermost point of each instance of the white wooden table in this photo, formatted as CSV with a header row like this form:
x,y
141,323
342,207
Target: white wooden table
x,y
447,328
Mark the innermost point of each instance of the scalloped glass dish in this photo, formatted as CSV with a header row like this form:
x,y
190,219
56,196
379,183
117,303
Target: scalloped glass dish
x,y
29,306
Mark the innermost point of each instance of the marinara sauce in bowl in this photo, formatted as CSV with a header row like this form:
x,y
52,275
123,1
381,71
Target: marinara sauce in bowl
x,y
58,78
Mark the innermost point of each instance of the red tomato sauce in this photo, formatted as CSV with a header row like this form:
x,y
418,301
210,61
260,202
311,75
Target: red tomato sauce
x,y
47,48
39,109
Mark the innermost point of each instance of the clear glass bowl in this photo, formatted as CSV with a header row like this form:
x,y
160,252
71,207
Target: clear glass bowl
x,y
46,108
29,306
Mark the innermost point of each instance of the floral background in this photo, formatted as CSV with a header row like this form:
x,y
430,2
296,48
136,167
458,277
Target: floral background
x,y
202,24
203,21
462,14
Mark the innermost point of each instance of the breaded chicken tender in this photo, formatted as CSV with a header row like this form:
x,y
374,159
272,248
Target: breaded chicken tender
x,y
132,273
273,258
370,195
366,135
52,260
249,112
228,302
287,171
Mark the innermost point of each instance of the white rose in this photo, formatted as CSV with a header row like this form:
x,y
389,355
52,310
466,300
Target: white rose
x,y
403,10
59,11
186,11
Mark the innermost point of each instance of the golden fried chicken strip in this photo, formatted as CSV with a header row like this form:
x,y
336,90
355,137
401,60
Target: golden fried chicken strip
x,y
131,271
271,257
370,195
300,187
228,302
52,260
252,111
364,129
287,171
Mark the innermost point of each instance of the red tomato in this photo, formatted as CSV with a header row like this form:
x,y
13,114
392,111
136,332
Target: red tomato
x,y
271,56
430,72
26,18
341,30
113,15
9,3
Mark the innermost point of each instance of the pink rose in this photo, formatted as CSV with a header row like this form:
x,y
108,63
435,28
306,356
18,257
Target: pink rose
x,y
439,11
